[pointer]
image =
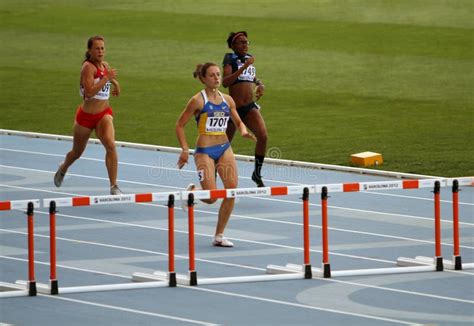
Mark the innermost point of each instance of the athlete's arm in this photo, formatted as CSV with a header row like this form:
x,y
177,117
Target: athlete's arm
x,y
260,88
116,90
229,77
194,104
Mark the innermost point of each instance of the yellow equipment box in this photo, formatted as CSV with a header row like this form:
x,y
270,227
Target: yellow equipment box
x,y
367,159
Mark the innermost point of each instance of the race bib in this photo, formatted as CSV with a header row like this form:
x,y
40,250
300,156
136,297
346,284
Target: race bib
x,y
104,92
216,124
248,74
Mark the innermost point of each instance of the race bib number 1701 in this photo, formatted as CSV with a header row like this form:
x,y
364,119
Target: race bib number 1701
x,y
216,124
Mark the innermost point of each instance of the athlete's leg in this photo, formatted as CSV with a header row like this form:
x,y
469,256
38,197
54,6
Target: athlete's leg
x,y
205,168
79,143
227,169
254,121
106,133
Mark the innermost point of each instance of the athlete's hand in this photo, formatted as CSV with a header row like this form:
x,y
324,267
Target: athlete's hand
x,y
249,136
112,73
249,61
259,91
183,159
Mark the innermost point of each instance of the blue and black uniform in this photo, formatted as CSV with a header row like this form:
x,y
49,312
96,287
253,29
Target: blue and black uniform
x,y
247,76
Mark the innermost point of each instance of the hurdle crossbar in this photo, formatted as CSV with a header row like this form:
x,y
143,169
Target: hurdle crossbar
x,y
111,199
18,204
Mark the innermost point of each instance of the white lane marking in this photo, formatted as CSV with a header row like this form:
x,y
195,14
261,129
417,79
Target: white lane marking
x,y
414,197
405,291
133,311
99,244
92,177
68,267
346,296
364,211
299,305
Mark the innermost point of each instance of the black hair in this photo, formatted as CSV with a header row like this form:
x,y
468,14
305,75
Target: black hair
x,y
233,36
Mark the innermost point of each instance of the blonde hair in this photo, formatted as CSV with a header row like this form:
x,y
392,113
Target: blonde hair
x,y
201,70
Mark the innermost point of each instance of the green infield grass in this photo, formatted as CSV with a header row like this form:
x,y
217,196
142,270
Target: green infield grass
x,y
342,77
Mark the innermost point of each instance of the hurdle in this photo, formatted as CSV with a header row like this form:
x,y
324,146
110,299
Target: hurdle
x,y
190,196
456,262
405,265
273,272
54,289
29,288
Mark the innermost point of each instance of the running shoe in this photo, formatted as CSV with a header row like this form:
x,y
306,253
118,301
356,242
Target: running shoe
x,y
220,241
258,180
115,190
59,176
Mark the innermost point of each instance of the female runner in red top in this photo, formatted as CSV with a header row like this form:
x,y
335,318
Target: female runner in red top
x,y
95,113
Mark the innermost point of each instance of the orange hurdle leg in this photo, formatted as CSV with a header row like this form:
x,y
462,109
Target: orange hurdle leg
x,y
31,251
171,271
437,205
324,226
307,264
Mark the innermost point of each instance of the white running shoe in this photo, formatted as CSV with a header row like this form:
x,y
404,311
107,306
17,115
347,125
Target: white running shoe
x,y
115,190
220,241
184,201
59,176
